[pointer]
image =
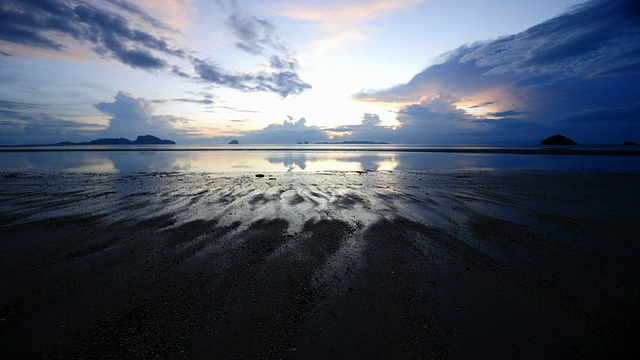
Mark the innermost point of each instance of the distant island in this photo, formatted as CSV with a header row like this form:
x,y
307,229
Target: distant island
x,y
558,140
234,142
140,140
352,143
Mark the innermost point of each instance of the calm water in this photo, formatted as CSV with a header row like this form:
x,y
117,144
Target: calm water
x,y
314,158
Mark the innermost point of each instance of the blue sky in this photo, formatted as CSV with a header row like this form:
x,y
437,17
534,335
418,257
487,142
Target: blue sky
x,y
408,71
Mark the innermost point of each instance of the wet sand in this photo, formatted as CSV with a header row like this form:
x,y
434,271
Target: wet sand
x,y
458,264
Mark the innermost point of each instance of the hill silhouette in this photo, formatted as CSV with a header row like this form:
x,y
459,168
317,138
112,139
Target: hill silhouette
x,y
140,140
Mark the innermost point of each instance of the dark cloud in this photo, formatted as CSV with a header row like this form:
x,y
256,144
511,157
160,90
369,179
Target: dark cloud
x,y
481,105
17,105
178,71
280,63
22,126
205,101
593,37
283,83
111,34
588,28
139,59
257,37
16,113
507,113
576,73
133,9
622,70
254,35
194,101
104,26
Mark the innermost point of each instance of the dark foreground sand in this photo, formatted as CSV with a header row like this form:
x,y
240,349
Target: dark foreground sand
x,y
331,265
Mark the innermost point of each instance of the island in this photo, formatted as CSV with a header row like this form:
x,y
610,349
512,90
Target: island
x,y
558,140
140,140
233,142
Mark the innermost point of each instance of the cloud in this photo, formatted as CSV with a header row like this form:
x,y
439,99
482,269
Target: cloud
x,y
369,122
288,132
283,82
111,34
343,22
194,101
292,131
205,101
255,35
584,59
176,70
341,12
109,28
26,123
131,116
507,113
133,9
234,109
595,36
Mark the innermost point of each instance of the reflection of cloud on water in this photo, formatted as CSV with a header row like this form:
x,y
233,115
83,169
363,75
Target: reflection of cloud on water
x,y
151,161
373,162
94,161
346,161
292,161
220,162
56,162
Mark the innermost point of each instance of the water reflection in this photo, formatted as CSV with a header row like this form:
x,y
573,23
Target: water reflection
x,y
282,161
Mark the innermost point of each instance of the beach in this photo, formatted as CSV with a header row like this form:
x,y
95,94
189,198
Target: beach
x,y
340,264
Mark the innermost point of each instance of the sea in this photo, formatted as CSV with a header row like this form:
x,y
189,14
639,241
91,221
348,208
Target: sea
x,y
315,158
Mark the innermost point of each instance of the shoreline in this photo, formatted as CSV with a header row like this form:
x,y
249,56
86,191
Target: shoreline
x,y
411,264
596,150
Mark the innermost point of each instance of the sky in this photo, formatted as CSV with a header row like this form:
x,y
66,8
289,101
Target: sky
x,y
283,71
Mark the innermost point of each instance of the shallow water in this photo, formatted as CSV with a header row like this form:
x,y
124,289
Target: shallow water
x,y
311,158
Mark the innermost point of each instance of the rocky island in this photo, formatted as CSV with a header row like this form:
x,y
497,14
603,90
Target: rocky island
x,y
140,140
558,140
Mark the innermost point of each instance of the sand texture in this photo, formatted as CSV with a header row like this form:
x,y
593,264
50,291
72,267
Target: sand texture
x,y
460,264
